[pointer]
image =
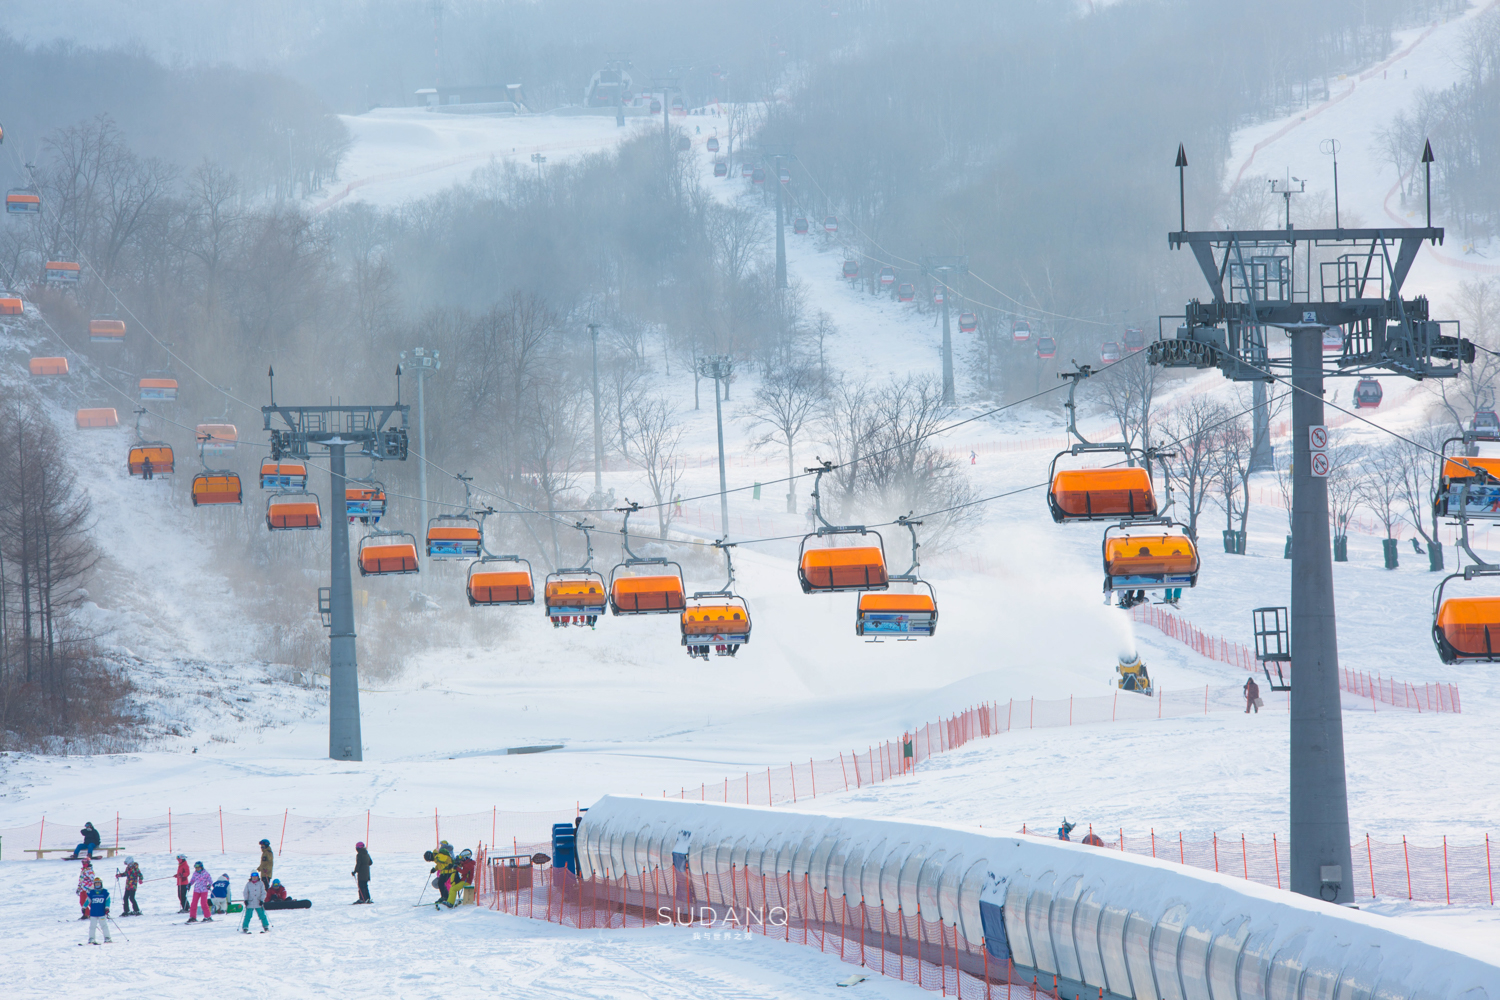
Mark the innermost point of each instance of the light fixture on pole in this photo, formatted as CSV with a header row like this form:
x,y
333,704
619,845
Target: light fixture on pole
x,y
716,367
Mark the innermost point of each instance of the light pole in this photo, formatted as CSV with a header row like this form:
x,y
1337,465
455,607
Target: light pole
x,y
598,427
774,155
945,269
421,362
538,159
716,367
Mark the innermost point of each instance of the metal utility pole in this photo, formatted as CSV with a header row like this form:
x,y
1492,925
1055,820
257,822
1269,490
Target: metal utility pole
x,y
774,156
421,362
945,269
1248,274
1262,455
667,85
598,427
336,428
538,159
716,367
1332,147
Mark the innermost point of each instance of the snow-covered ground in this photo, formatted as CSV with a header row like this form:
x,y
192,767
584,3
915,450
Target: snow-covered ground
x,y
1021,616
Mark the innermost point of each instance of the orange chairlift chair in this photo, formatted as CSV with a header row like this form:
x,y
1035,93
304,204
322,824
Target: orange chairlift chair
x,y
61,272
294,510
388,553
1098,494
832,570
106,330
91,417
1466,629
157,387
49,366
283,474
214,487
652,594
906,616
579,595
455,536
364,499
491,585
1148,555
717,620
153,458
217,439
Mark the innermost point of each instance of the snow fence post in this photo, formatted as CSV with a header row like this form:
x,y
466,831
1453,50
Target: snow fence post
x,y
812,775
844,769
221,830
43,830
280,844
1276,857
221,827
1370,857
1447,890
1489,872
1407,855
169,830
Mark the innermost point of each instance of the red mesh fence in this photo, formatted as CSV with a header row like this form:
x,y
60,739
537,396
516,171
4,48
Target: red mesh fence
x,y
1386,690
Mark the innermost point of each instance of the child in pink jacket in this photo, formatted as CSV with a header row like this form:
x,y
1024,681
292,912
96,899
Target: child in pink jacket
x,y
201,882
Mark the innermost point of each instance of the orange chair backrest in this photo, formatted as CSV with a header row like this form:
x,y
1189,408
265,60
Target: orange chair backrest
x,y
160,457
1103,492
104,416
1127,554
1465,620
294,513
461,533
648,593
49,366
107,327
575,593
158,383
217,489
842,568
716,619
1464,468
218,433
11,306
508,586
399,557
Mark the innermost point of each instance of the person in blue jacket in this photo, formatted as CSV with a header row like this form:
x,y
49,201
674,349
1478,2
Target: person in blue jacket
x,y
1065,829
220,895
98,898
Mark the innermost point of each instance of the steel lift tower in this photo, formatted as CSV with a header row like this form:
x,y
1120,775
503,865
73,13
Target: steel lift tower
x,y
1305,282
336,428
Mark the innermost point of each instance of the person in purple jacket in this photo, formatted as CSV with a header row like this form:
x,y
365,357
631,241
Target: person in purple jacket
x,y
201,882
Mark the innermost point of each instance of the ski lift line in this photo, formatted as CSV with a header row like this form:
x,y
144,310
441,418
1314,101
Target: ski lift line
x,y
995,288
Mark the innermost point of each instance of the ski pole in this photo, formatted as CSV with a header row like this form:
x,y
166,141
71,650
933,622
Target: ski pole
x,y
117,929
425,880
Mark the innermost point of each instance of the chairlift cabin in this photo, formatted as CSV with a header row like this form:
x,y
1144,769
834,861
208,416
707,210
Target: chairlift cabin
x,y
784,175
1135,339
61,272
1099,494
213,488
837,569
11,305
655,594
1469,486
684,144
799,225
1485,425
282,475
1020,331
23,201
1333,340
906,292
967,322
365,502
453,536
1147,557
721,169
491,586
158,390
758,175
831,224
938,298
91,418
1046,347
655,106
157,453
574,597
851,269
887,276
1466,629
747,170
1109,352
104,330
900,615
719,620
1367,394
49,366
294,510
217,439
712,145
388,553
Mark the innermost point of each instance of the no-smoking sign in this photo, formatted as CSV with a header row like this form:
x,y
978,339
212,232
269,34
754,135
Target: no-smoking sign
x,y
1319,464
1317,437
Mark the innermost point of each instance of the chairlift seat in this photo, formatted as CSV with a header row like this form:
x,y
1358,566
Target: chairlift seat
x,y
23,202
295,512
217,439
896,614
106,331
1468,630
710,622
1144,562
569,597
1101,495
11,305
49,366
836,570
364,502
282,475
160,456
61,271
506,586
1461,487
453,542
158,389
646,595
93,417
388,559
215,488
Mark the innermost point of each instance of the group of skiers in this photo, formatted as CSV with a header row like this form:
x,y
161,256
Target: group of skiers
x,y
455,872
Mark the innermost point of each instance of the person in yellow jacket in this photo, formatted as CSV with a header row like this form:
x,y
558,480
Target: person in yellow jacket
x,y
444,864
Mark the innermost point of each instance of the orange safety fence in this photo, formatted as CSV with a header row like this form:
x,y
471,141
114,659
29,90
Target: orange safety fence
x,y
1430,697
1446,873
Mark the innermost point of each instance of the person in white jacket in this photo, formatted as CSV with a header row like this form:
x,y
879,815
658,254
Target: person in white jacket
x,y
255,902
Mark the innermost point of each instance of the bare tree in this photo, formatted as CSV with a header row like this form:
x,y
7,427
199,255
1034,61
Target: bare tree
x,y
1128,391
1192,433
785,402
739,238
1419,471
1228,472
1380,490
654,438
1345,474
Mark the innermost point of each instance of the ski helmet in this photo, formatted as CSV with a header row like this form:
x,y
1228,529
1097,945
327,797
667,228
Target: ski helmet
x,y
264,842
276,881
198,865
182,857
98,881
359,845
255,876
129,860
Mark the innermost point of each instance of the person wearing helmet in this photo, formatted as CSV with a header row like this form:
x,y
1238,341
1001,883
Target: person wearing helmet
x,y
444,866
219,897
361,872
275,893
184,875
133,879
201,882
266,862
255,903
98,900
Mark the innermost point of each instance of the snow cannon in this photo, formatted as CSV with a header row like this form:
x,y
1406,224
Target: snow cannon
x,y
1132,674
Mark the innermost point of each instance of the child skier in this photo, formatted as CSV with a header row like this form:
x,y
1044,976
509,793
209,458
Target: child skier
x,y
98,899
201,882
255,903
361,872
133,879
220,897
184,874
85,885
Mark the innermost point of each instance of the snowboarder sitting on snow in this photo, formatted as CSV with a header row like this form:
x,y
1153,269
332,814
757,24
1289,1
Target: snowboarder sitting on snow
x,y
90,841
1065,829
98,900
220,895
201,882
85,884
184,874
133,879
275,892
255,903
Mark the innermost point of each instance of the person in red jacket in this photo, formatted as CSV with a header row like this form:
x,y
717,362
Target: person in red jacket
x,y
184,876
276,892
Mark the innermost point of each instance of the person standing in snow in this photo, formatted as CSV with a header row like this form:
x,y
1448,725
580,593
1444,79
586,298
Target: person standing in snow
x,y
133,879
255,902
220,895
1252,696
90,841
267,861
361,872
201,882
98,914
86,881
184,874
1065,829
